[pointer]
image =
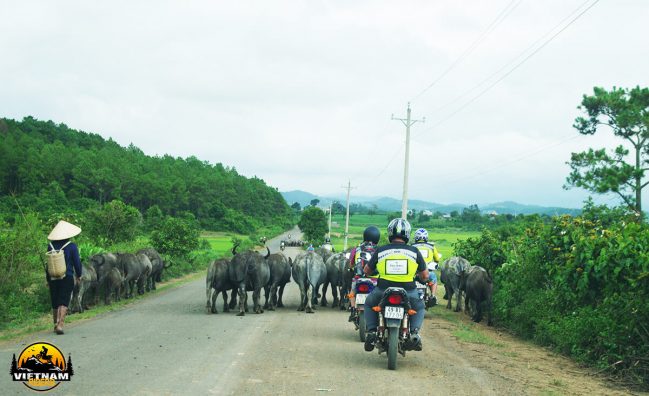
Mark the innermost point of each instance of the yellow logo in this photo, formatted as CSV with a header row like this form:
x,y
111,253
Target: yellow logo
x,y
41,367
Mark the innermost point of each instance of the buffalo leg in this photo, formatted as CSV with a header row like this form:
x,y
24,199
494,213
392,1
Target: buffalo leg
x,y
266,295
256,297
309,300
242,299
213,307
224,294
323,301
280,293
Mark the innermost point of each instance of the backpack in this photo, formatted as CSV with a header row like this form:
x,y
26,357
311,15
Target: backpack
x,y
56,266
364,254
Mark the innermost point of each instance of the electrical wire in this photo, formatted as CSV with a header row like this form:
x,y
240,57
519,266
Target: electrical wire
x,y
510,71
497,21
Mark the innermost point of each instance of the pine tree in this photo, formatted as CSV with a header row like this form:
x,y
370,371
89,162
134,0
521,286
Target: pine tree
x,y
70,370
14,367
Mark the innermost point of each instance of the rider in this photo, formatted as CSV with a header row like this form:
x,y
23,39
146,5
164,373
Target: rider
x,y
327,245
431,257
397,249
310,248
371,237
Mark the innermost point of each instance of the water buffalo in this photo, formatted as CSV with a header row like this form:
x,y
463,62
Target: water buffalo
x,y
454,272
335,266
309,272
347,278
280,275
248,271
157,266
216,282
479,291
103,264
80,291
136,270
113,285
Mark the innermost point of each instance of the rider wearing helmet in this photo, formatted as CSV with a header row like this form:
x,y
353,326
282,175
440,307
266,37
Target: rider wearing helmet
x,y
431,256
357,260
327,245
397,249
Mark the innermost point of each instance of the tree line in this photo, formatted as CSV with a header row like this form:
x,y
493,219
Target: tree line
x,y
52,169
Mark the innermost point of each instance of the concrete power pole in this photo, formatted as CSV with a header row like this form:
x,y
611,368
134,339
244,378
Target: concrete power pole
x,y
408,123
329,233
348,187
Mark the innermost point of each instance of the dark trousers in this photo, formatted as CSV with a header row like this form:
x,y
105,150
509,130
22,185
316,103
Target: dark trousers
x,y
61,291
374,298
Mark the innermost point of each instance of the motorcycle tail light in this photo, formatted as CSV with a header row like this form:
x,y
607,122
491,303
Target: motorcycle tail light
x,y
394,299
363,288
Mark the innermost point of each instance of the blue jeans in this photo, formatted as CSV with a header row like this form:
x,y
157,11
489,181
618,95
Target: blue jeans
x,y
374,298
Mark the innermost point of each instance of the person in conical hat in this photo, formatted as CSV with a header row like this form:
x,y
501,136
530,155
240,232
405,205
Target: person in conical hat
x,y
61,289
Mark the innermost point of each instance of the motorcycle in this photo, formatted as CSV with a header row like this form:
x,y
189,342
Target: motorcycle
x,y
364,286
393,332
282,246
424,294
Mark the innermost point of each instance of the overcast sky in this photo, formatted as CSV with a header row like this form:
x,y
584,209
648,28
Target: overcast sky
x,y
300,93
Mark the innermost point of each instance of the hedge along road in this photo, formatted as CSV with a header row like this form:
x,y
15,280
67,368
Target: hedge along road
x,y
167,344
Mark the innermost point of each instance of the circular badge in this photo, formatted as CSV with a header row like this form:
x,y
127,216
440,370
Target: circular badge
x,y
41,367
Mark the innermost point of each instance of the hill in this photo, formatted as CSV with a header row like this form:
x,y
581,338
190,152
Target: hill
x,y
52,169
391,204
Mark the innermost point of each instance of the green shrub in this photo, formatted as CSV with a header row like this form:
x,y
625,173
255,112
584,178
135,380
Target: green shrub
x,y
580,285
115,221
176,237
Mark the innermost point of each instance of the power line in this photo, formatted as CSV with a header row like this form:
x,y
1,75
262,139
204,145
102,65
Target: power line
x,y
501,17
466,104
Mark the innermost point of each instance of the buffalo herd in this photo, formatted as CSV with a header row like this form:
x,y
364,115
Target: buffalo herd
x,y
251,271
117,275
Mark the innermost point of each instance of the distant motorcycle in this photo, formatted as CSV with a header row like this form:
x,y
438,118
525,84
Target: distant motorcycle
x,y
364,286
393,333
424,294
282,246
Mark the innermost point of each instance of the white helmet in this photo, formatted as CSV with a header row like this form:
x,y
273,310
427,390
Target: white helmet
x,y
421,235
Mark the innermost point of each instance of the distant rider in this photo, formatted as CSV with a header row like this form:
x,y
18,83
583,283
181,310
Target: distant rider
x,y
310,248
397,249
431,257
327,245
371,237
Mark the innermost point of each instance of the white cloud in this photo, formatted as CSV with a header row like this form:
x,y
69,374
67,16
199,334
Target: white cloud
x,y
300,93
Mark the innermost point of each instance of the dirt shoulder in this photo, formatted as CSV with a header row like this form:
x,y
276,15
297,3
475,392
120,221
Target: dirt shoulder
x,y
525,368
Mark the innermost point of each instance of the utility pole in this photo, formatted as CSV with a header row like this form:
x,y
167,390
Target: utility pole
x,y
329,233
408,123
348,187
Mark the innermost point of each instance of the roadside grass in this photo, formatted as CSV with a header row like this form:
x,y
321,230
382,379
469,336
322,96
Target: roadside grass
x,y
465,332
220,244
44,322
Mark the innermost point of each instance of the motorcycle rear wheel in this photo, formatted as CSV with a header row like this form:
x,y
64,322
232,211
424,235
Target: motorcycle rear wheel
x,y
361,325
393,345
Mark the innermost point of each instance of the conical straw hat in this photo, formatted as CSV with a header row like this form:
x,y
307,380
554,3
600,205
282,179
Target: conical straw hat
x,y
63,230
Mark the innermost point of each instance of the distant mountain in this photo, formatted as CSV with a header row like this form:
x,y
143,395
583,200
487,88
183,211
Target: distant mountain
x,y
391,204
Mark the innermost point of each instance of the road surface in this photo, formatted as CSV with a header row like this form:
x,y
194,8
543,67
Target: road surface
x,y
168,345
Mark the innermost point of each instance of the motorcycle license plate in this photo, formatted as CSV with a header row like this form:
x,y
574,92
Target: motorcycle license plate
x,y
393,313
360,298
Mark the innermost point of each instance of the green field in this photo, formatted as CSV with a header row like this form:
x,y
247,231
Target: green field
x,y
357,223
220,242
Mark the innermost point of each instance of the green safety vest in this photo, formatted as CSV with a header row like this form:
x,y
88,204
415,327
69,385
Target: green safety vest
x,y
427,251
397,265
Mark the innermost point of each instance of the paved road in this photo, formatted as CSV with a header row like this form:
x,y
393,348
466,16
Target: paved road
x,y
167,344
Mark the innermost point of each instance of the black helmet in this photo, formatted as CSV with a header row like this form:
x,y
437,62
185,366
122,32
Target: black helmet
x,y
372,234
399,228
